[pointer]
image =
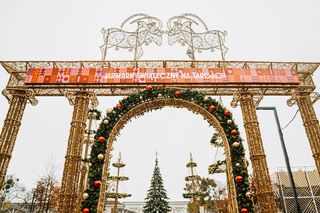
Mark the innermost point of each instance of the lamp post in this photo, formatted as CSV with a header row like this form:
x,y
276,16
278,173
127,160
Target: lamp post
x,y
286,158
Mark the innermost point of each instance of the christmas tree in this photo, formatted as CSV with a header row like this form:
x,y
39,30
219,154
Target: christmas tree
x,y
156,200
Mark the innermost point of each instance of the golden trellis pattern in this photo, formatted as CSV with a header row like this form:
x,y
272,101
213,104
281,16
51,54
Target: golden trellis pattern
x,y
72,165
265,198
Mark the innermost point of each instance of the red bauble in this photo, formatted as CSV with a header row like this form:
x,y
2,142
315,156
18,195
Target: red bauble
x,y
97,184
85,210
149,87
101,139
239,179
244,210
177,94
234,132
118,106
211,108
227,112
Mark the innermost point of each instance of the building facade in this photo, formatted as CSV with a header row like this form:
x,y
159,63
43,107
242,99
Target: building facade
x,y
137,207
307,186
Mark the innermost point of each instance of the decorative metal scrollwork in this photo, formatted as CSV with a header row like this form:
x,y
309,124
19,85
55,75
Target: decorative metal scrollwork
x,y
29,94
314,96
256,96
31,97
71,96
235,100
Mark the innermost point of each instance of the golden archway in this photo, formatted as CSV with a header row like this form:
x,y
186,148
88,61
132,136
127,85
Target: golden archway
x,y
149,100
246,95
161,103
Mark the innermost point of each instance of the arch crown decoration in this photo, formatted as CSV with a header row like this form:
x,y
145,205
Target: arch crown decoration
x,y
157,98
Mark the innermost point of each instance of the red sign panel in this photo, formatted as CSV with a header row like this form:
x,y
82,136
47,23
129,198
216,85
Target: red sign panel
x,y
159,75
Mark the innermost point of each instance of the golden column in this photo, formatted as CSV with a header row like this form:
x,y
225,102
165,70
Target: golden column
x,y
265,197
310,121
72,165
18,100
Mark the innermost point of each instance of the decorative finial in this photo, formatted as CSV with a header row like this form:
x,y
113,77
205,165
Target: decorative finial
x,y
157,157
119,158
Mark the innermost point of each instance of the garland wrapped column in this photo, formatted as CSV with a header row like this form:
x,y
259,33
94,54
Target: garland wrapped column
x,y
18,100
71,171
93,114
310,121
265,198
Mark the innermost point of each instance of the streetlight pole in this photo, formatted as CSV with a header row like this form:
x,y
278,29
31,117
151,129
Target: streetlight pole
x,y
286,158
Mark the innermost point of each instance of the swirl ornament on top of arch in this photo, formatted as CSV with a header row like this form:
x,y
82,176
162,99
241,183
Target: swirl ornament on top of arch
x,y
151,99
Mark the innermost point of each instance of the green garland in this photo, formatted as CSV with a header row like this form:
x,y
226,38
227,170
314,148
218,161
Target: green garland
x,y
96,114
118,165
192,177
192,164
215,140
218,167
225,119
118,178
118,195
191,195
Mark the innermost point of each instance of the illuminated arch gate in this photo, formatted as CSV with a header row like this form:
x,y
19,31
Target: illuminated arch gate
x,y
152,99
297,85
246,81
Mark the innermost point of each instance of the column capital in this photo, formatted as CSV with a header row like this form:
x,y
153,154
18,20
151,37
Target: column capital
x,y
314,96
72,95
237,96
26,93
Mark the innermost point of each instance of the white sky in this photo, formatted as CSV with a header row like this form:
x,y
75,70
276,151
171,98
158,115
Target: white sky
x,y
270,30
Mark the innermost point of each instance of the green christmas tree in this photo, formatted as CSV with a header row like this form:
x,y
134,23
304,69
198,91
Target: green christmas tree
x,y
156,200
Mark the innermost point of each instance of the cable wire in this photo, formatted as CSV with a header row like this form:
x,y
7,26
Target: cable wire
x,y
290,120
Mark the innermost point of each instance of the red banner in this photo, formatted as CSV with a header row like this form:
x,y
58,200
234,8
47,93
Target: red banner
x,y
159,75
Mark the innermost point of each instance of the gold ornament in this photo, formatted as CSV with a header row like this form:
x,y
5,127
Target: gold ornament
x,y
100,156
85,195
236,144
249,194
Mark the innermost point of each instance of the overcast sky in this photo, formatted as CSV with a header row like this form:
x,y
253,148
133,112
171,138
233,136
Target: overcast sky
x,y
270,30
